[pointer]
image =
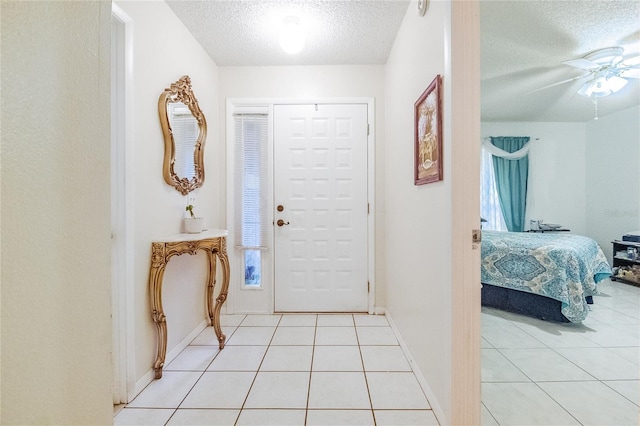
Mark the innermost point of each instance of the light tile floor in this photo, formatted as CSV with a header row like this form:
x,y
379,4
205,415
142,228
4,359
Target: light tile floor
x,y
287,370
349,370
542,373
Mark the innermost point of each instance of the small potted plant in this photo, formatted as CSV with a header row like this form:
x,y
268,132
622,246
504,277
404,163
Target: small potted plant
x,y
193,224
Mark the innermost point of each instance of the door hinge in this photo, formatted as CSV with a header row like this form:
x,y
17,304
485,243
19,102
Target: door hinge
x,y
368,208
368,287
368,130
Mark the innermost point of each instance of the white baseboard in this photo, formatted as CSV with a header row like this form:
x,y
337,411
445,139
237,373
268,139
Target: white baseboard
x,y
437,410
380,311
247,312
144,381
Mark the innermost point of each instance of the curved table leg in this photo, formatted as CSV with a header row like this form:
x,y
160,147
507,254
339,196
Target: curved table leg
x,y
156,274
211,285
222,297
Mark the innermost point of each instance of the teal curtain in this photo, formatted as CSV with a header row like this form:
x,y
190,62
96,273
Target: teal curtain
x,y
511,181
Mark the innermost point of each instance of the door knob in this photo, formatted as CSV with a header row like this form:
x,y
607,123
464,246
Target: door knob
x,y
281,222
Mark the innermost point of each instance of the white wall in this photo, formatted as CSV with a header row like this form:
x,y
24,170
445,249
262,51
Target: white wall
x,y
612,178
417,222
56,326
556,188
307,82
163,51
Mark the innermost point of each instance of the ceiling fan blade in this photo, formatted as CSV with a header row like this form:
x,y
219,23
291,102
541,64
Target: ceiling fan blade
x,y
630,73
557,84
582,64
632,61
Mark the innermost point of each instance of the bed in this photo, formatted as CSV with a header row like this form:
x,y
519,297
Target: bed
x,y
550,276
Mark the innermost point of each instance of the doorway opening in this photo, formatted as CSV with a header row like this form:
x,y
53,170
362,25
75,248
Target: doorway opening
x,y
121,206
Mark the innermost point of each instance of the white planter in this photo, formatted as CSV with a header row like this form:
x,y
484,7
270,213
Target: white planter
x,y
193,225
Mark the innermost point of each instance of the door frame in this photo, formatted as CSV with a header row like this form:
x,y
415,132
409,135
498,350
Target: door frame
x,y
354,296
245,300
463,71
122,288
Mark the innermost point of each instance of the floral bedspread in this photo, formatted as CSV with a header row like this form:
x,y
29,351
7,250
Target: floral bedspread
x,y
560,266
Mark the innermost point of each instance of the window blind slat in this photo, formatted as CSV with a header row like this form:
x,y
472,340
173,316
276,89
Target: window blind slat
x,y
251,180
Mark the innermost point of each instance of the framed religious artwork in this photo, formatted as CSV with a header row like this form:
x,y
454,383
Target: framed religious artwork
x,y
428,135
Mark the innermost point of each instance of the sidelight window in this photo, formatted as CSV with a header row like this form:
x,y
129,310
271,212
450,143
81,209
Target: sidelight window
x,y
251,181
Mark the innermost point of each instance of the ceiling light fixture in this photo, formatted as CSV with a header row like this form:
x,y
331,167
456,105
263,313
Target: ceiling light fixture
x,y
291,35
608,70
603,84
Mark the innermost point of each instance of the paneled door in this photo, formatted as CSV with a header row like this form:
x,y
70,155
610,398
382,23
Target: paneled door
x,y
320,197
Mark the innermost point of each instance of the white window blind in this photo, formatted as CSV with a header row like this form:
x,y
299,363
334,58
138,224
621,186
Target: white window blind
x,y
184,127
251,179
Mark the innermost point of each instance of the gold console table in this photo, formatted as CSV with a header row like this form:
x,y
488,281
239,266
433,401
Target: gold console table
x,y
214,243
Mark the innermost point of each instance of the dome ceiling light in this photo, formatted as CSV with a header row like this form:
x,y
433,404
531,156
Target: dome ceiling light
x,y
292,36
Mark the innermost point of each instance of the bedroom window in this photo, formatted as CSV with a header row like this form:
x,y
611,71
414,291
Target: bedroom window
x,y
251,171
489,202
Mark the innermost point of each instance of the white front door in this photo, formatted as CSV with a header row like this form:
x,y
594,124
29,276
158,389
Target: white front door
x,y
320,195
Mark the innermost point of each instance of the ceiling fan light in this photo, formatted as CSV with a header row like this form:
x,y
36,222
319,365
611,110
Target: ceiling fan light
x,y
598,88
616,83
586,89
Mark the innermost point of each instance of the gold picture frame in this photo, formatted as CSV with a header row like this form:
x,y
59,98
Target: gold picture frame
x,y
428,135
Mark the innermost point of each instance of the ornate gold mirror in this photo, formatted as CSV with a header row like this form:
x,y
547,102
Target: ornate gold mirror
x,y
184,129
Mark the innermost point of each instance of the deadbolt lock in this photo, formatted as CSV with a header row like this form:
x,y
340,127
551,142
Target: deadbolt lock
x,y
280,207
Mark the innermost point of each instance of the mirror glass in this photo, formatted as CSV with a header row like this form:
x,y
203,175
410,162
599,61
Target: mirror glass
x,y
184,129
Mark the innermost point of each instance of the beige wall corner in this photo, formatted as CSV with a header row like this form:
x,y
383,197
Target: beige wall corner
x,y
56,326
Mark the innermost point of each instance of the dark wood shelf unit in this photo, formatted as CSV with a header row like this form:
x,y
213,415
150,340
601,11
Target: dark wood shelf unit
x,y
624,260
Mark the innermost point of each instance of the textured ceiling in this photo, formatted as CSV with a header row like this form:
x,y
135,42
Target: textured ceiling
x,y
524,44
338,32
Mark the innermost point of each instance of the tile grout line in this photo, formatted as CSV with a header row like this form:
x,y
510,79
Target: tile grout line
x,y
189,391
257,371
515,366
364,372
556,350
313,353
637,403
557,402
200,377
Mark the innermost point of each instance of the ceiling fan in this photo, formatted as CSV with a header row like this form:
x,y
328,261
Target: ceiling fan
x,y
607,69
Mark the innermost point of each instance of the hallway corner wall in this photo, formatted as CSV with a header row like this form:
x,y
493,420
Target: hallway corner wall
x,y
56,325
163,51
417,222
